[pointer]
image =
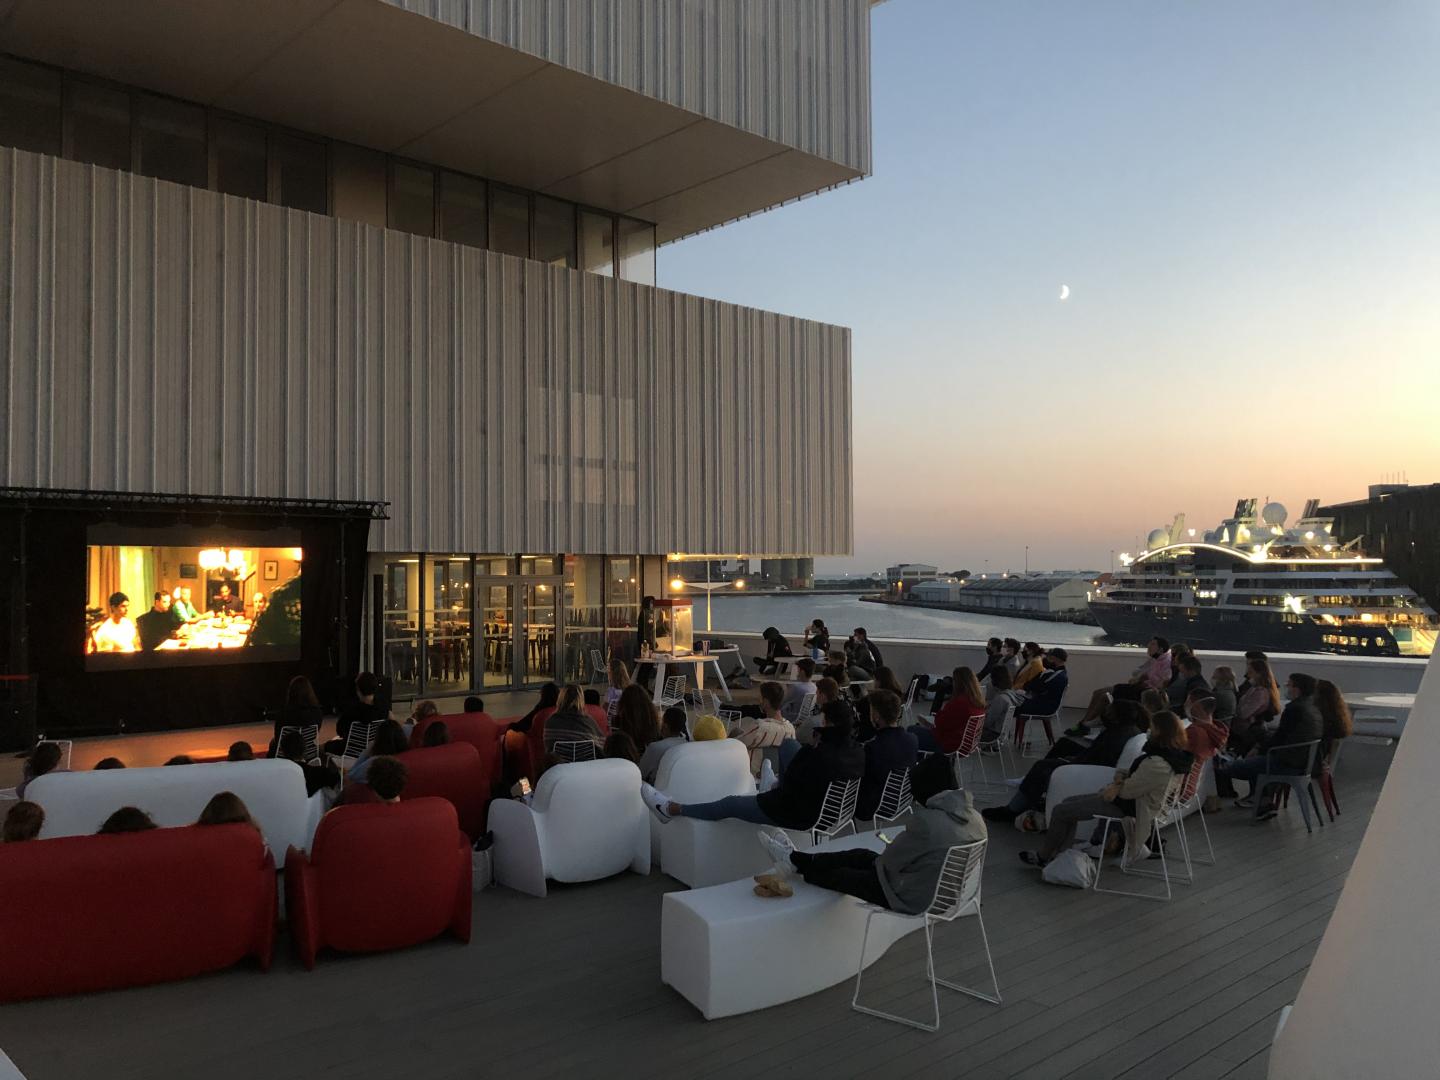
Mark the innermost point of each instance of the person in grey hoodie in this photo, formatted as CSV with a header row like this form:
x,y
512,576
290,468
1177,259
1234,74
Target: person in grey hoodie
x,y
904,876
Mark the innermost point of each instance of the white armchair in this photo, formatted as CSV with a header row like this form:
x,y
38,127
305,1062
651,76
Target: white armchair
x,y
704,852
1071,780
585,821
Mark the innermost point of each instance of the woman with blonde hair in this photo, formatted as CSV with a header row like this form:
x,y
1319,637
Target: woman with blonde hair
x,y
1257,705
570,722
1222,687
619,680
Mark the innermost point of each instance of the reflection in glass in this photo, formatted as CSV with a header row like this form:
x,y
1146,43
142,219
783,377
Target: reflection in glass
x,y
554,232
412,199
462,209
239,150
447,623
172,141
29,107
622,606
509,222
597,243
498,660
303,173
401,617
538,633
584,652
637,251
99,121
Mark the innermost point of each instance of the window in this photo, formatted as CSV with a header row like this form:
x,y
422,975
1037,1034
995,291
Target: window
x,y
462,210
172,141
238,151
509,222
584,618
622,605
301,173
98,119
637,251
597,243
29,107
412,199
554,232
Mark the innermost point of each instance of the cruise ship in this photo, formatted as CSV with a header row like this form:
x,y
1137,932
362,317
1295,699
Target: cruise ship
x,y
1257,583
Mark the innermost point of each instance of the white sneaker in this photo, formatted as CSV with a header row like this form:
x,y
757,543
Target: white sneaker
x,y
778,846
768,779
657,801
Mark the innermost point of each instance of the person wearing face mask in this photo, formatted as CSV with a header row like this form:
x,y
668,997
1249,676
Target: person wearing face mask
x,y
1044,694
1299,723
1153,674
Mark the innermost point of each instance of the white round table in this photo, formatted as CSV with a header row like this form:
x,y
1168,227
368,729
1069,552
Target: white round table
x,y
696,661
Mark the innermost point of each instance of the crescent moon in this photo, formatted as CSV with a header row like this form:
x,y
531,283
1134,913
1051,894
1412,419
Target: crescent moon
x,y
1064,292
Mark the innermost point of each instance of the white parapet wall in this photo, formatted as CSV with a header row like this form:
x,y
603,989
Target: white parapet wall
x,y
1095,666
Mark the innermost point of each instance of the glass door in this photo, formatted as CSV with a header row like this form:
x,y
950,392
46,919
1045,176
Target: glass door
x,y
447,623
494,608
538,624
401,618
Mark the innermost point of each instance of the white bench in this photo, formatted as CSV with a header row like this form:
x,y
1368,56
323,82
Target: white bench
x,y
728,951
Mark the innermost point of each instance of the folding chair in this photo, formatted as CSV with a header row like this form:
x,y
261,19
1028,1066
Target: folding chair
x,y
895,799
568,750
1166,816
837,811
957,893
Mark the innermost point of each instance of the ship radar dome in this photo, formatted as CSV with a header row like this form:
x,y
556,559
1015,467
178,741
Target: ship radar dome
x,y
1274,514
1158,538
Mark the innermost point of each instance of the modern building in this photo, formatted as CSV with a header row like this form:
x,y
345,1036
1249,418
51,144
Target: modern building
x,y
1399,523
403,252
1048,593
903,577
940,591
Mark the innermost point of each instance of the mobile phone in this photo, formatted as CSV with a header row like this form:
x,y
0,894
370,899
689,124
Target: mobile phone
x,y
884,837
521,788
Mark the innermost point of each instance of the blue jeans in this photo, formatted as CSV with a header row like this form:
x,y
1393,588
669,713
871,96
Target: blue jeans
x,y
926,738
742,807
1250,768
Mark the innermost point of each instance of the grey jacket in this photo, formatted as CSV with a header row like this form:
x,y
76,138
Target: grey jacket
x,y
909,868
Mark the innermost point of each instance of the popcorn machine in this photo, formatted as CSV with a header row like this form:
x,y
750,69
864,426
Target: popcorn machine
x,y
674,626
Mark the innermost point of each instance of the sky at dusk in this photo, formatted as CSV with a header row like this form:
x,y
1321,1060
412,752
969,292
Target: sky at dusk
x,y
1244,199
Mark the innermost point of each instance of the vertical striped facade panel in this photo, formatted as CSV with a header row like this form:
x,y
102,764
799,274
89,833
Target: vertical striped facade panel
x,y
166,339
793,71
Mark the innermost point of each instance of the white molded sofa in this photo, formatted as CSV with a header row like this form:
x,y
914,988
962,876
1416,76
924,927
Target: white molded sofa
x,y
77,803
1071,780
705,852
585,821
728,951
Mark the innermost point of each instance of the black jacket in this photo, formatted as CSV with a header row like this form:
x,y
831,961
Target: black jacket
x,y
863,655
777,646
1299,723
1108,745
795,802
1181,688
892,748
356,711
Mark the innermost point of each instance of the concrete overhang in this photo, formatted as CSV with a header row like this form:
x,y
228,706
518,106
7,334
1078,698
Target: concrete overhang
x,y
367,72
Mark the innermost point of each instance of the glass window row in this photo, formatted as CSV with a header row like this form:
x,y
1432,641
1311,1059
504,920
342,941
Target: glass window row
x,y
50,111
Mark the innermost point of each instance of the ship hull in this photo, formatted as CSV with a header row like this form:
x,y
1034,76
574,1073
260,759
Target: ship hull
x,y
1207,630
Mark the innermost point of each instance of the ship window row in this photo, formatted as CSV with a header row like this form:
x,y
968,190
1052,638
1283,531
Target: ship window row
x,y
48,110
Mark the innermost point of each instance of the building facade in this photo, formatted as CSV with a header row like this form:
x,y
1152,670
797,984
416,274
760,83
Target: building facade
x,y
404,251
1399,523
1046,594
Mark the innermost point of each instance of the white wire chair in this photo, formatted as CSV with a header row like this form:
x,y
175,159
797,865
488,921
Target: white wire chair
x,y
729,717
1169,815
895,800
568,750
1190,794
969,744
1031,723
598,670
806,713
957,893
707,703
673,692
359,738
907,717
309,733
837,811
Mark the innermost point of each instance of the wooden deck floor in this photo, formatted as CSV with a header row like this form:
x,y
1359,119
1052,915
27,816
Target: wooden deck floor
x,y
1094,986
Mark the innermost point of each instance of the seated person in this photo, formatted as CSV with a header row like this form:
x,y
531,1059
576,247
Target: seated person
x,y
708,729
1121,721
1301,722
126,819
383,784
571,723
1222,685
795,802
674,726
1205,736
994,657
892,749
390,739
962,712
226,808
637,715
362,710
884,679
436,734
317,777
111,763
770,729
862,656
1032,665
775,645
181,759
1045,694
1152,674
619,744
423,710
23,822
116,633
798,689
1137,793
1187,680
45,758
157,625
905,875
1001,699
240,751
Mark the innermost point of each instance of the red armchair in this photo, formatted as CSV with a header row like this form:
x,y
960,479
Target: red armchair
x,y
383,876
86,913
480,730
454,772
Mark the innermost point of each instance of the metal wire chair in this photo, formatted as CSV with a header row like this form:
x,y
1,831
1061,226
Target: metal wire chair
x,y
569,750
837,811
1168,816
895,800
957,893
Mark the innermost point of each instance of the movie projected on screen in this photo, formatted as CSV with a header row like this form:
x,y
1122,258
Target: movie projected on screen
x,y
169,596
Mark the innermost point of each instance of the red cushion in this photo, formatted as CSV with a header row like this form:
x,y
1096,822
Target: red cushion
x,y
86,913
383,876
480,730
453,772
537,742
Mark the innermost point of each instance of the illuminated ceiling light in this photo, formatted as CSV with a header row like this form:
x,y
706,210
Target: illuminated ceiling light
x,y
675,584
739,583
212,559
1310,535
1365,616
